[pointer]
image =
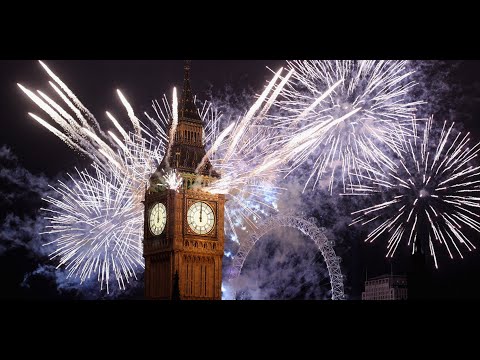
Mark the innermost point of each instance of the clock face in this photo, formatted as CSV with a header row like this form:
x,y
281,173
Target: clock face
x,y
200,218
157,218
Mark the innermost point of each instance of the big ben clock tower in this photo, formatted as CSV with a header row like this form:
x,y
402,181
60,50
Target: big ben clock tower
x,y
184,229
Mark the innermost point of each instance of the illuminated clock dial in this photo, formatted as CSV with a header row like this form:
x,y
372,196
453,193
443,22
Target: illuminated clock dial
x,y
158,218
200,218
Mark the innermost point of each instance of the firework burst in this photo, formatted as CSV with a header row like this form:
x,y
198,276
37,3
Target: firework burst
x,y
98,221
240,153
430,195
336,113
171,180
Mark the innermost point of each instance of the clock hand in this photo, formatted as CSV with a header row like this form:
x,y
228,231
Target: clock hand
x,y
201,212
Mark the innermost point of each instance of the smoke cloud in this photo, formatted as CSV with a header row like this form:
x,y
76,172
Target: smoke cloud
x,y
285,264
25,267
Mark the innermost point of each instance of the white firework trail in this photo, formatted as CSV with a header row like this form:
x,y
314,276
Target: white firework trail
x,y
239,156
173,127
249,117
131,114
54,131
430,195
374,96
219,141
71,95
96,222
99,221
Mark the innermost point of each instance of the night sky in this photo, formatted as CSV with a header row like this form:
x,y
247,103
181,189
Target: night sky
x,y
95,83
141,81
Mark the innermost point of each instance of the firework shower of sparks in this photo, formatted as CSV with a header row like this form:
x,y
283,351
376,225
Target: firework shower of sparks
x,y
337,112
171,180
238,153
430,195
99,221
87,219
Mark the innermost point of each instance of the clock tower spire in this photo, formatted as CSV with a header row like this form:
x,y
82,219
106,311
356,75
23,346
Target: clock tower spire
x,y
184,228
188,148
188,109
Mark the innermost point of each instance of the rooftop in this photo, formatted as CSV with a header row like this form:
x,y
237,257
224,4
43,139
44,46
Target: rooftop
x,y
388,276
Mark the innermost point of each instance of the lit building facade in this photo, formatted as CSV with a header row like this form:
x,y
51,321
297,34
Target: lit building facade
x,y
386,287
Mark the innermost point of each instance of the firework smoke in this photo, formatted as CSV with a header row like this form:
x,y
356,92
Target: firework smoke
x,y
284,265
